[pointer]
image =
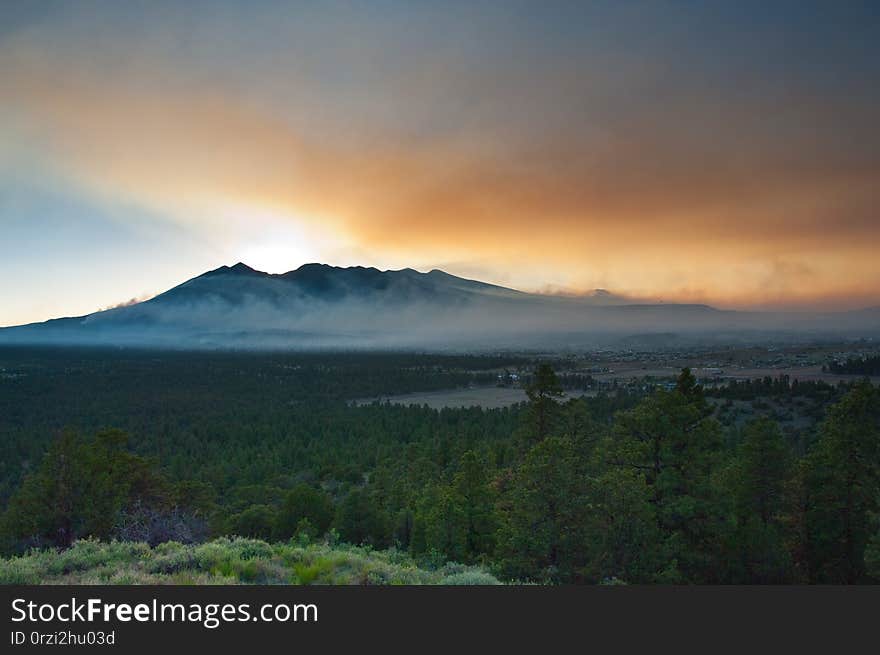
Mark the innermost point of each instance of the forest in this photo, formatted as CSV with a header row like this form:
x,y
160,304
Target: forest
x,y
638,484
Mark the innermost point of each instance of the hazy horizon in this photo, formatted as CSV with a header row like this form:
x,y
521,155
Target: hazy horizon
x,y
717,153
599,296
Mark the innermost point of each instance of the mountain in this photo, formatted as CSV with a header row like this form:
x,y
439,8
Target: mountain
x,y
321,306
330,284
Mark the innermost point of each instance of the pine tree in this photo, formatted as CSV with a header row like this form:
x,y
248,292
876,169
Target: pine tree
x,y
672,441
471,487
543,392
843,481
542,536
81,488
304,502
761,473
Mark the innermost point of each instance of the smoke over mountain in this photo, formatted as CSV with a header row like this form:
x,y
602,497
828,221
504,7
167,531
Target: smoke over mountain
x,y
324,307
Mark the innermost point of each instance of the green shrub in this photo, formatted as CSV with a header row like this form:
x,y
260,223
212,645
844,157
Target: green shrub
x,y
471,577
309,573
26,569
227,561
88,554
171,557
252,549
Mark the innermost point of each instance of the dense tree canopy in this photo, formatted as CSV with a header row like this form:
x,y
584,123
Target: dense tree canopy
x,y
641,485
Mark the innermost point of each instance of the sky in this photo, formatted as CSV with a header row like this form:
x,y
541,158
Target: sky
x,y
720,152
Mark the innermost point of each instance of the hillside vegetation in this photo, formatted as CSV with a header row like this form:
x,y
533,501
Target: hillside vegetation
x,y
763,482
229,561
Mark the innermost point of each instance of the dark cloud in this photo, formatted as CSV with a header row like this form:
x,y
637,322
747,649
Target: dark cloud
x,y
702,152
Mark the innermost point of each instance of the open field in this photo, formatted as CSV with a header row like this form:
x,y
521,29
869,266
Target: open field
x,y
801,373
486,397
636,370
798,362
493,397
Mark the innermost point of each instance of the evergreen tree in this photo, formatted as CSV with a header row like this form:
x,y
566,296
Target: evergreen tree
x,y
458,519
80,489
761,473
257,521
764,464
843,480
304,502
543,391
445,524
360,521
622,540
544,508
872,554
672,441
471,485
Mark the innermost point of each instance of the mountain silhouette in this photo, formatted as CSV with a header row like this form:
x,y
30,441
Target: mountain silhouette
x,y
322,306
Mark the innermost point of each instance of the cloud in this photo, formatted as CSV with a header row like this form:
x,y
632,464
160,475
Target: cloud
x,y
128,303
575,171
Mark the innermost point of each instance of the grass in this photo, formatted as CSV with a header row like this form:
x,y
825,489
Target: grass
x,y
229,561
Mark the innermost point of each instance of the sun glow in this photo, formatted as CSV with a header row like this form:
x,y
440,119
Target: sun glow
x,y
272,240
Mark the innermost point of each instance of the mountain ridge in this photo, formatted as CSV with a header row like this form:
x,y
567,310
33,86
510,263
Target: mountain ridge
x,y
322,306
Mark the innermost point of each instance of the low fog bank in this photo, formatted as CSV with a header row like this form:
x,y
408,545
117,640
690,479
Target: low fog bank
x,y
361,325
335,309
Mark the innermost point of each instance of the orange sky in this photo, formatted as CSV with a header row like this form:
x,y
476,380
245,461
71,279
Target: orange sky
x,y
545,167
